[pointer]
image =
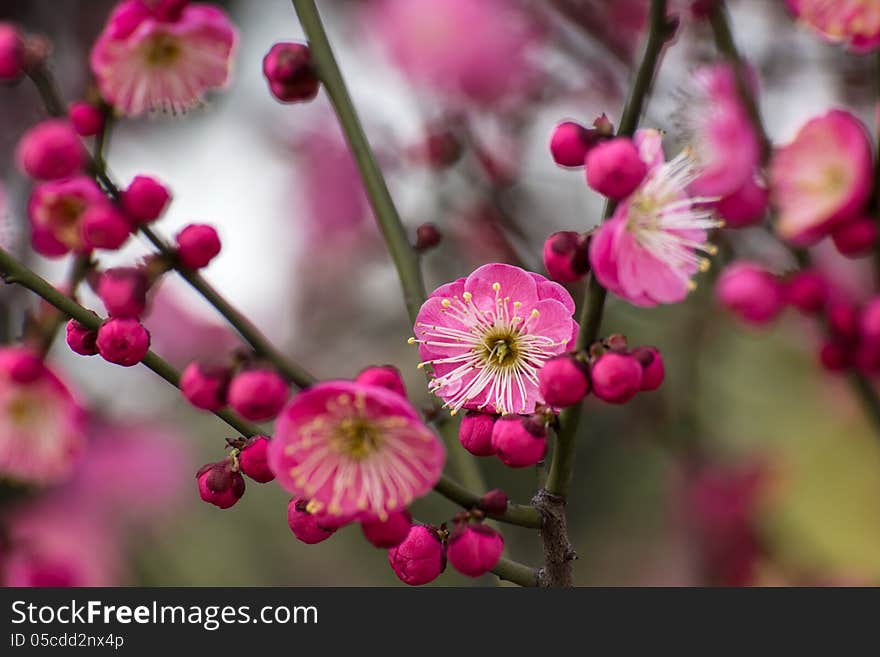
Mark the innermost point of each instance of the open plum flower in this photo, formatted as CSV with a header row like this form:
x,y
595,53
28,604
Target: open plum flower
x,y
146,59
487,335
654,243
356,451
822,178
855,23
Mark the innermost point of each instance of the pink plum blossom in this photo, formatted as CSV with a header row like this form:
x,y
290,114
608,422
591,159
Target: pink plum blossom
x,y
822,178
650,248
487,335
41,424
357,451
854,23
145,60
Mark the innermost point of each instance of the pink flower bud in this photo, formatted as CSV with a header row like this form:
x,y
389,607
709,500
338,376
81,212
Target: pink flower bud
x,y
614,168
747,206
867,357
616,377
807,291
219,484
475,433
750,292
197,245
123,341
123,291
570,143
420,558
856,238
474,550
519,440
204,386
253,460
384,376
81,339
304,525
566,256
145,199
288,69
51,150
843,320
428,236
494,502
388,533
563,381
835,356
23,366
653,371
257,394
11,53
86,119
104,227
441,148
869,322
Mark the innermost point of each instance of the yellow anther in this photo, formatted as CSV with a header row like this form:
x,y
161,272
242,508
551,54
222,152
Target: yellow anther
x,y
420,366
446,303
535,312
410,340
453,412
692,286
496,286
705,264
517,304
314,506
711,249
467,296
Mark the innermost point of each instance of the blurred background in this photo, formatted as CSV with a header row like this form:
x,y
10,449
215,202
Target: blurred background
x,y
460,113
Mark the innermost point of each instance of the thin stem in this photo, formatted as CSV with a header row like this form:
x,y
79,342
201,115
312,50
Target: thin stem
x,y
14,271
516,514
562,463
516,572
405,259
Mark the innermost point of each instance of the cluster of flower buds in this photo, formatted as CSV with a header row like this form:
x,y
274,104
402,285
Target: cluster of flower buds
x,y
222,483
566,256
571,142
253,391
517,440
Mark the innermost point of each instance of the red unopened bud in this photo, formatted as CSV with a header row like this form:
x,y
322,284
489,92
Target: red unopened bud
x,y
291,75
566,256
519,440
616,377
257,394
145,199
653,371
441,148
123,291
384,376
123,341
564,381
252,459
11,53
428,236
204,386
197,245
843,320
750,292
219,484
746,206
81,339
51,150
86,119
494,502
614,168
104,227
570,143
420,557
475,433
24,366
390,532
856,238
305,525
807,291
474,550
835,356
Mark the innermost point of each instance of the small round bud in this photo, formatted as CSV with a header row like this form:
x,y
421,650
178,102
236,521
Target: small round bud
x,y
566,256
205,386
197,245
252,459
123,341
420,557
306,526
807,291
24,366
570,143
563,381
384,376
653,371
123,291
614,168
856,238
750,292
51,150
428,236
104,227
494,502
835,356
746,206
843,320
11,53
257,394
219,484
519,440
145,199
869,321
85,118
474,550
440,149
81,339
388,533
475,433
616,377
288,69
